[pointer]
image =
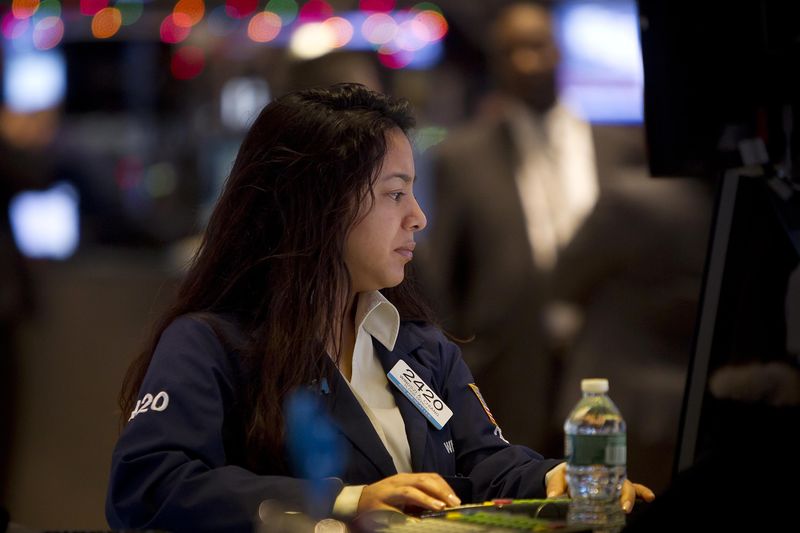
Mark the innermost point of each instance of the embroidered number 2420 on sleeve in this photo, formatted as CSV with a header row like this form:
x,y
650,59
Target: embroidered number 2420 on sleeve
x,y
149,402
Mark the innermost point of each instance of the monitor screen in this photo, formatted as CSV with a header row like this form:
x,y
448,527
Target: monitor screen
x,y
716,75
600,74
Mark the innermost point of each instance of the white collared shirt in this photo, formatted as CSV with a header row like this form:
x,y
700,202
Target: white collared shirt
x,y
557,179
377,318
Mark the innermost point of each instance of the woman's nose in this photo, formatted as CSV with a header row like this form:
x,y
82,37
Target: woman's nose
x,y
417,217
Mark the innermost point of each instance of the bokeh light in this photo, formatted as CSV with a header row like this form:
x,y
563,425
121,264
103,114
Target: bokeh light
x,y
434,24
23,9
427,56
376,5
91,7
240,9
48,8
394,59
379,28
33,80
106,23
48,32
187,62
219,23
161,180
264,27
187,13
401,38
341,29
46,224
131,10
427,6
311,40
412,35
315,10
128,172
241,99
171,32
14,27
285,9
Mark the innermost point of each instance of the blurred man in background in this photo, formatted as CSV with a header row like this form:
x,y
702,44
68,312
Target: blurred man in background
x,y
512,189
552,246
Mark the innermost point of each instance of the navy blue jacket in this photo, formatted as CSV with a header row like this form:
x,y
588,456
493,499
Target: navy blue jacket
x,y
178,464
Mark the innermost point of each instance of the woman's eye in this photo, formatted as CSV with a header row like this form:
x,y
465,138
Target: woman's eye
x,y
396,196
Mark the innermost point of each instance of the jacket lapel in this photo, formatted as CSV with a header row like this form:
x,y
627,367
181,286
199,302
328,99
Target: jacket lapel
x,y
415,422
350,418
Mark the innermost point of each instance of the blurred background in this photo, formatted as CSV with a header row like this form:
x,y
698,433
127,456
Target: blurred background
x,y
120,120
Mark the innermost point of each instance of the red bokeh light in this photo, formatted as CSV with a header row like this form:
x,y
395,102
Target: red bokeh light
x,y
315,10
91,7
14,27
171,32
188,62
376,5
240,9
395,59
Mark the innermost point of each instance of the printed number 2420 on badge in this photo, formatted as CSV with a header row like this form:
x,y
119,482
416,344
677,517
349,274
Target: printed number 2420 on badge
x,y
420,394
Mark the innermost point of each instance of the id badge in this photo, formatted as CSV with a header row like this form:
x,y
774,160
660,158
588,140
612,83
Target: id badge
x,y
420,394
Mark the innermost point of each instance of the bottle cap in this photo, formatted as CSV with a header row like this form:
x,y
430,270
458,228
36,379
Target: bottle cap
x,y
594,385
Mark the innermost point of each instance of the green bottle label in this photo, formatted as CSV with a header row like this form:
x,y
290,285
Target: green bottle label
x,y
586,450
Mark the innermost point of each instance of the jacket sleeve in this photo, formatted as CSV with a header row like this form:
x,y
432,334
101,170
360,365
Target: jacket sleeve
x,y
170,469
496,468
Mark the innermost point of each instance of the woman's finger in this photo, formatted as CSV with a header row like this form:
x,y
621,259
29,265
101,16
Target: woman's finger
x,y
557,481
426,491
434,485
628,497
407,495
644,493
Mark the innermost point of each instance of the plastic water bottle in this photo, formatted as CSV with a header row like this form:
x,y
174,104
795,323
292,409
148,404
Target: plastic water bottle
x,y
594,445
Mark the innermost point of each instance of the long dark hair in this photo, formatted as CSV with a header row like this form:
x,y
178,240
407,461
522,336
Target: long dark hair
x,y
272,254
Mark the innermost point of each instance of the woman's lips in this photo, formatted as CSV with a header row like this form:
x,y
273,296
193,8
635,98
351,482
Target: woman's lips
x,y
407,251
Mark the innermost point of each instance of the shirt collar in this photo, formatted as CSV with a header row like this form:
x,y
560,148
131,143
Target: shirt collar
x,y
378,317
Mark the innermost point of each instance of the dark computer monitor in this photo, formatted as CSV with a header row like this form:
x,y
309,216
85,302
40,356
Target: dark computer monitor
x,y
716,73
742,323
721,79
736,463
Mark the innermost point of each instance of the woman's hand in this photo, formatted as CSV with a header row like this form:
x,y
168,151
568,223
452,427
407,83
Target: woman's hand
x,y
557,486
397,492
629,493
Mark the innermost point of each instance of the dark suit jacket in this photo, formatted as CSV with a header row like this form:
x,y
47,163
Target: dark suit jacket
x,y
178,465
478,266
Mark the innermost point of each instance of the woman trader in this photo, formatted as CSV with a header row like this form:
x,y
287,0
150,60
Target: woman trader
x,y
300,282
